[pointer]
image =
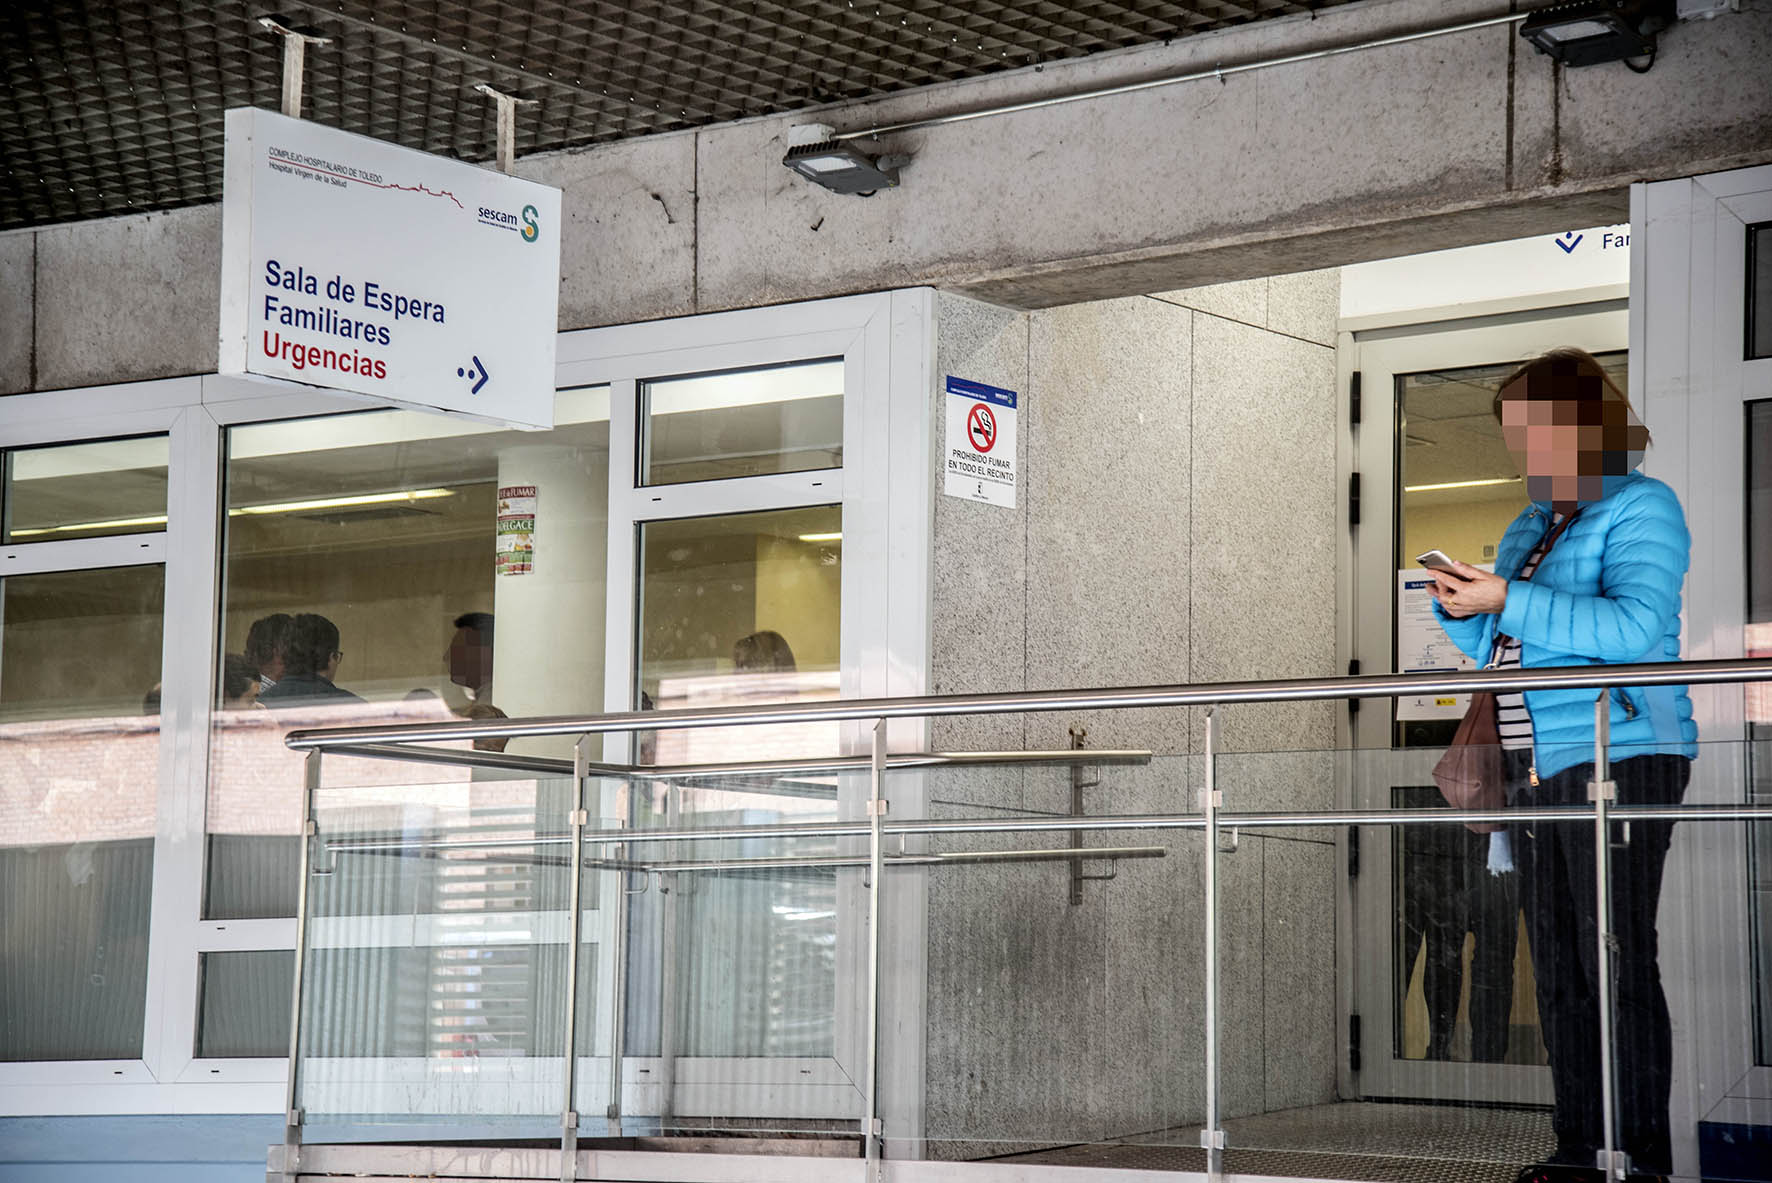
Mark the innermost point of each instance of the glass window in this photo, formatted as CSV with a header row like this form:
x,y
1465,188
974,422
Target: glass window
x,y
1759,706
243,1004
742,423
79,762
738,609
84,490
394,566
1458,491
1759,291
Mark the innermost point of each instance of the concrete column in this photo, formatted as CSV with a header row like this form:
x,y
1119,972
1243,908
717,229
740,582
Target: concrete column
x,y
548,641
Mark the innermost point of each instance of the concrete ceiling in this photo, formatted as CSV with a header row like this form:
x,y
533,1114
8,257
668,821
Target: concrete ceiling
x,y
117,108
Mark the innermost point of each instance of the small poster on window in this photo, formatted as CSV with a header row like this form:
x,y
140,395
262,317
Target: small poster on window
x,y
516,530
1424,648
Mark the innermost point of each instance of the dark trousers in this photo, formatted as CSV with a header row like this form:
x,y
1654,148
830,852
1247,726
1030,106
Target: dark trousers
x,y
1447,892
1557,873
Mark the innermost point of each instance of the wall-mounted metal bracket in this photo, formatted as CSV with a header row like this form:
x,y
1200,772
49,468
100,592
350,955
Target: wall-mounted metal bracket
x,y
1079,741
507,124
295,46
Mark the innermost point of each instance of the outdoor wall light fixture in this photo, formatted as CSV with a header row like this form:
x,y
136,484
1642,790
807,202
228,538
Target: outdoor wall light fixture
x,y
816,154
1589,32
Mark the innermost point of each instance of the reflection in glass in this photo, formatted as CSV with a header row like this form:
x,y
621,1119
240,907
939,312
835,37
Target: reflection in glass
x,y
1463,985
705,427
79,762
84,490
364,583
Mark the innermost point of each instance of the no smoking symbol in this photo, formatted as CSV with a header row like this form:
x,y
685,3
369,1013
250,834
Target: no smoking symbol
x,y
981,427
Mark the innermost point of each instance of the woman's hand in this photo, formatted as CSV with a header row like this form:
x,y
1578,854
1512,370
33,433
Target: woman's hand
x,y
1467,591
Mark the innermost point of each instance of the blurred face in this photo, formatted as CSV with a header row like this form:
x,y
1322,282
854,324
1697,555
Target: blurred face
x,y
470,659
1567,447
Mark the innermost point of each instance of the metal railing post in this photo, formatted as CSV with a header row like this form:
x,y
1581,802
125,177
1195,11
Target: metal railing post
x,y
618,973
292,1109
574,937
872,1129
1211,800
1602,792
670,887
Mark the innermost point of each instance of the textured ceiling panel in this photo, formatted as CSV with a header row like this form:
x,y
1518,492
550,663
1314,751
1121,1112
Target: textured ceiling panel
x,y
117,108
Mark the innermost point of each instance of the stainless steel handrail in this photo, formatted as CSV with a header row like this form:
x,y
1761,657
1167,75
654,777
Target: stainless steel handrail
x,y
931,859
553,766
1146,821
1668,673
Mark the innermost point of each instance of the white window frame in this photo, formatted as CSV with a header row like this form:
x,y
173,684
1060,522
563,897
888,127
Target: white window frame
x,y
887,343
1688,239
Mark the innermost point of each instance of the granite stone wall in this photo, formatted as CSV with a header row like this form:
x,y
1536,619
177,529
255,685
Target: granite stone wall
x,y
1177,461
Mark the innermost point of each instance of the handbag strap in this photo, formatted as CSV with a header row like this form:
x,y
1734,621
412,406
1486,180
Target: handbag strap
x,y
1543,549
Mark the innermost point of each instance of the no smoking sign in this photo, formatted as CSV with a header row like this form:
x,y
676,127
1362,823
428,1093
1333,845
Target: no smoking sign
x,y
981,427
980,442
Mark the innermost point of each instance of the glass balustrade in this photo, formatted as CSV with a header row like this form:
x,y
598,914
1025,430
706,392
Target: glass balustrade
x,y
1378,991
435,955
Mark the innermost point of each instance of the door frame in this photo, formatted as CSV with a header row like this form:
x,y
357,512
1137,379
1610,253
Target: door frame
x,y
1380,355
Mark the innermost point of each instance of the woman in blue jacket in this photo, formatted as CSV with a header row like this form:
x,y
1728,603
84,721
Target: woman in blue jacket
x,y
1606,591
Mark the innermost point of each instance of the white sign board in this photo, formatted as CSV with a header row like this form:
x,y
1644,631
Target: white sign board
x,y
364,267
1544,265
980,442
1424,648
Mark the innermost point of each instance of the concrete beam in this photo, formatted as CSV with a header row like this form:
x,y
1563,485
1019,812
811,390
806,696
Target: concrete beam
x,y
1437,143
1432,144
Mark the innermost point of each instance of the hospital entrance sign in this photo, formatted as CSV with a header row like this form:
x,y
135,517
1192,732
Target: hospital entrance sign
x,y
364,267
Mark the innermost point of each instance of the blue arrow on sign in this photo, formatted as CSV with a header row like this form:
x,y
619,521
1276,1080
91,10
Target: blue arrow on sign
x,y
484,374
1574,240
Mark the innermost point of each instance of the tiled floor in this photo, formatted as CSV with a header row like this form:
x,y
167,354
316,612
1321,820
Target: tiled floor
x,y
1382,1143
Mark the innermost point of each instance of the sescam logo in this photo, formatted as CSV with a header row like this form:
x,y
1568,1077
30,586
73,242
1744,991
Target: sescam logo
x,y
528,226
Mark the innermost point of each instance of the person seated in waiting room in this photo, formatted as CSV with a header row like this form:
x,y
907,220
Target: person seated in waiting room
x,y
470,655
310,663
266,643
485,710
240,684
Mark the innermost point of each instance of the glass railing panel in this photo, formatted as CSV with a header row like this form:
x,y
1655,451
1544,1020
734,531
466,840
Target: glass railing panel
x,y
1467,965
436,942
744,1000
1061,1011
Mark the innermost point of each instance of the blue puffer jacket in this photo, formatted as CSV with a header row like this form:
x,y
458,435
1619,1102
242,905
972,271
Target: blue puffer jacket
x,y
1608,593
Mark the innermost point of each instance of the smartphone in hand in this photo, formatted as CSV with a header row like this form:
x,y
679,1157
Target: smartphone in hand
x,y
1437,560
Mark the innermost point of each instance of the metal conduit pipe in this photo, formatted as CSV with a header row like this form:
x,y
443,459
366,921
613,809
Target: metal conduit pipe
x,y
1585,677
1218,71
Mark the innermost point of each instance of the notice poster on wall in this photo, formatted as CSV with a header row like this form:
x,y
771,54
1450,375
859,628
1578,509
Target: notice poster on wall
x,y
516,530
1424,648
980,442
361,266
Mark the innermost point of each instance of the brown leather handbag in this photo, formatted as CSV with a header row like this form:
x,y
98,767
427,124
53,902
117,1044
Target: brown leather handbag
x,y
1472,773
